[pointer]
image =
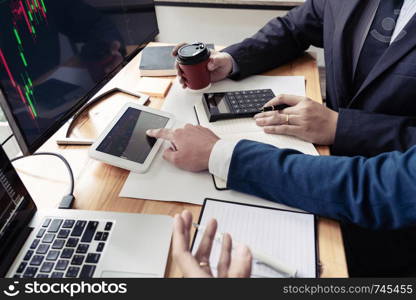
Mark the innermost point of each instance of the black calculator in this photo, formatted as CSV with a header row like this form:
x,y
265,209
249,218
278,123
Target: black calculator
x,y
239,104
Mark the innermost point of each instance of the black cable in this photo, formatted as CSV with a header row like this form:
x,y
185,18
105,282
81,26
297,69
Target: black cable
x,y
68,199
8,139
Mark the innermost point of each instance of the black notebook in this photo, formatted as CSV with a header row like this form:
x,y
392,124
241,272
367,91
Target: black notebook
x,y
158,61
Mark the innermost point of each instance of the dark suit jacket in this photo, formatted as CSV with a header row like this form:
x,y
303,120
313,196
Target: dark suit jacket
x,y
375,193
380,117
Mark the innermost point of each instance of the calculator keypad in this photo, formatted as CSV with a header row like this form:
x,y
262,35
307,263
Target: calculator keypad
x,y
248,102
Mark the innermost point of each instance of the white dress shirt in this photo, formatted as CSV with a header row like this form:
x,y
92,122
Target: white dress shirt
x,y
221,155
406,14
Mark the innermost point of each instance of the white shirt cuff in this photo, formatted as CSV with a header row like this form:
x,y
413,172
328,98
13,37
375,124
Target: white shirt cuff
x,y
220,158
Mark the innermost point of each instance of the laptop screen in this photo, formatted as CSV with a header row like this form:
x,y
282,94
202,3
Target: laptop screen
x,y
16,211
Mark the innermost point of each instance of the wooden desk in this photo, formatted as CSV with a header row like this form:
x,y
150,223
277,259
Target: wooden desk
x,y
97,185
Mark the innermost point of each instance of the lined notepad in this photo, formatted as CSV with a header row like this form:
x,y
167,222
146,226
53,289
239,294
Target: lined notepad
x,y
246,128
287,236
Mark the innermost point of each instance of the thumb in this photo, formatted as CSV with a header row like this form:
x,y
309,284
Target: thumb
x,y
213,64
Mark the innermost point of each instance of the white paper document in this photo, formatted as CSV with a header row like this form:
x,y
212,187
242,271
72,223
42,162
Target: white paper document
x,y
287,237
165,182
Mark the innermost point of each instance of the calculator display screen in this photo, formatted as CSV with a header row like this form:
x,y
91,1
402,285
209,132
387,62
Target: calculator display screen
x,y
218,100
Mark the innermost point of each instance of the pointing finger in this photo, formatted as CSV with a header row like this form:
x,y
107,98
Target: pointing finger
x,y
161,133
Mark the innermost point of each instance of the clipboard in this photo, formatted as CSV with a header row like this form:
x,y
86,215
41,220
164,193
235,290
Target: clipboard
x,y
313,229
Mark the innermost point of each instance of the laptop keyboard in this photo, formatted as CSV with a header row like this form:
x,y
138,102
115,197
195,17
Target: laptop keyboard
x,y
65,248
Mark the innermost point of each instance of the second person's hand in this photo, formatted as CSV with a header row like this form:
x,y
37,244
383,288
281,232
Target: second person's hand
x,y
220,65
229,265
305,119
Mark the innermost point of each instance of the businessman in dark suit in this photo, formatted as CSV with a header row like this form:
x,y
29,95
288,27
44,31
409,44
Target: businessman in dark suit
x,y
377,193
370,72
370,55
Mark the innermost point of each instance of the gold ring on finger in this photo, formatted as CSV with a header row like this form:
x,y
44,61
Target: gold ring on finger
x,y
203,264
287,119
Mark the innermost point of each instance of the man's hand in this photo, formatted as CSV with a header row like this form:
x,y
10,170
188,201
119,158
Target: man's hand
x,y
220,65
198,265
305,119
191,146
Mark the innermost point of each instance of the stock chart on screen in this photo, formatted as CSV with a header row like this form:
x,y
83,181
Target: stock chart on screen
x,y
25,16
54,53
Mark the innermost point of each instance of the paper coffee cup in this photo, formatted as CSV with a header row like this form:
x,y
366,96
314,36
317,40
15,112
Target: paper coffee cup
x,y
193,61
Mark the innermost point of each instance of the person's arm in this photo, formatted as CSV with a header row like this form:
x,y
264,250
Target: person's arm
x,y
375,193
280,40
368,134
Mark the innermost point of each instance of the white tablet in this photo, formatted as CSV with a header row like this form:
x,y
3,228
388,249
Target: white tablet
x,y
124,142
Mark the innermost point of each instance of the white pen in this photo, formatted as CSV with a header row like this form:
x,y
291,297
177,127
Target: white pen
x,y
260,257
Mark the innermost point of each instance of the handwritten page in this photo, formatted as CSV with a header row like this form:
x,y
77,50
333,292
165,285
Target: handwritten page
x,y
288,237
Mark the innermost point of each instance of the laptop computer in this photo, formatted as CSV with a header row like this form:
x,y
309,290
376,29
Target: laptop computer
x,y
75,243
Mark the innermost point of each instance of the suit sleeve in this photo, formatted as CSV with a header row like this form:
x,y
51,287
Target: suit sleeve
x,y
369,134
280,40
376,193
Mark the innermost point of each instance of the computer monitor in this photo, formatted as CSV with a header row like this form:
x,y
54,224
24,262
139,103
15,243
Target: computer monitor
x,y
56,54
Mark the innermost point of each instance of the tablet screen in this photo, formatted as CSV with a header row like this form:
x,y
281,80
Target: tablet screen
x,y
128,139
